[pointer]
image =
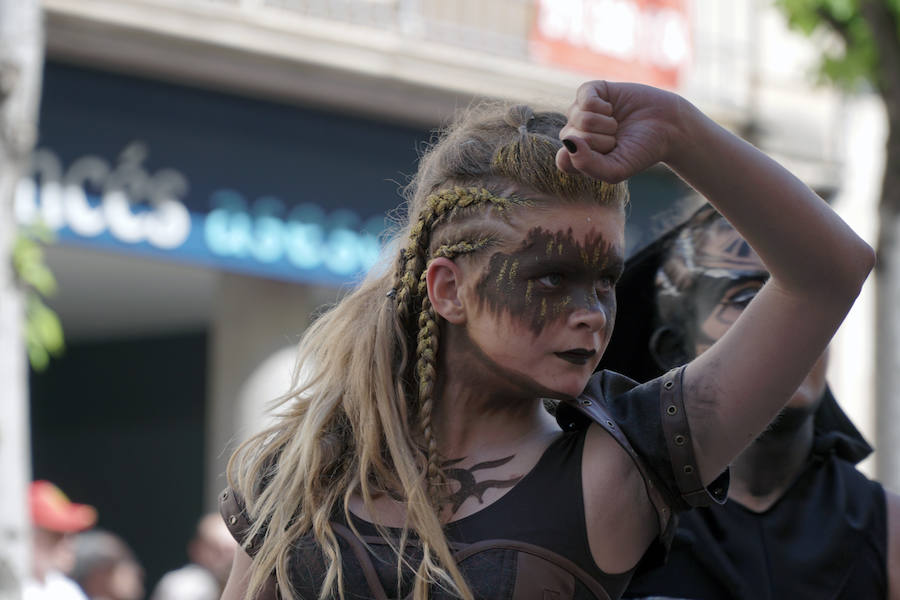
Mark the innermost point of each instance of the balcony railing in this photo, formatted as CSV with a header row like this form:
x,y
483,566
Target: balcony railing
x,y
495,27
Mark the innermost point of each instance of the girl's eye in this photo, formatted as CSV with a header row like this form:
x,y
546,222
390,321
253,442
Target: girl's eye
x,y
604,285
553,280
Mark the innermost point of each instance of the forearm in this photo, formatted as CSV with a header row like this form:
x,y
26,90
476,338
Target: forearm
x,y
804,244
236,586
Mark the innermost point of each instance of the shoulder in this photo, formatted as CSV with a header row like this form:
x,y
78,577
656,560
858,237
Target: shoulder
x,y
620,517
859,497
655,431
234,513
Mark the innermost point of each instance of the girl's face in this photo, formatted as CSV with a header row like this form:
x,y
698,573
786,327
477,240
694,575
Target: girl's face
x,y
543,304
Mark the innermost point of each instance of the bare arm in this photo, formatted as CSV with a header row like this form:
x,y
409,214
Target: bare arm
x,y
893,545
236,586
817,263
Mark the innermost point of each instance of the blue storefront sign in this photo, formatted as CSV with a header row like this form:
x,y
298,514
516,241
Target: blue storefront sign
x,y
130,165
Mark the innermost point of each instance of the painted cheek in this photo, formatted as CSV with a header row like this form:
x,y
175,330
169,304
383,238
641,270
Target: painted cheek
x,y
563,304
606,302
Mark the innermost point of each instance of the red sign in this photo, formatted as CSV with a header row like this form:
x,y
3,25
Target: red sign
x,y
629,40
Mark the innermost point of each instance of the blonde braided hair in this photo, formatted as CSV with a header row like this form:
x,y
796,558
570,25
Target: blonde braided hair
x,y
442,207
426,352
411,296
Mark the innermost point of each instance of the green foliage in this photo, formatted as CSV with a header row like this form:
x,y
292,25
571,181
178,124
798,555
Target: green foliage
x,y
807,15
856,61
43,330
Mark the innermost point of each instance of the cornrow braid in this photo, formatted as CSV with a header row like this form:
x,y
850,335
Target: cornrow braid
x,y
426,353
451,251
444,205
411,289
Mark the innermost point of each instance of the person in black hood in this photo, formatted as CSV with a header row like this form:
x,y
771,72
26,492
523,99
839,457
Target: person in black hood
x,y
801,521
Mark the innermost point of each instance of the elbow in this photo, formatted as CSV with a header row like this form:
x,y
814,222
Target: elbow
x,y
863,265
870,258
854,271
845,274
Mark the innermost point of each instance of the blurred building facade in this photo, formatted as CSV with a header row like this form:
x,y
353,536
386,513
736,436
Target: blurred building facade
x,y
216,170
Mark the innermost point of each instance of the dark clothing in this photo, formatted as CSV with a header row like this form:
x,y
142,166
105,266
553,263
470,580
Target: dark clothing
x,y
824,539
532,542
521,515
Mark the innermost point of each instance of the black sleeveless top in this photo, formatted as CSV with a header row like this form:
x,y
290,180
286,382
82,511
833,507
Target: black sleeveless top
x,y
527,515
824,539
532,542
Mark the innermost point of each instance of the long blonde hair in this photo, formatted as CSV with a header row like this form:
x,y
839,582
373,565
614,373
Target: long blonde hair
x,y
358,417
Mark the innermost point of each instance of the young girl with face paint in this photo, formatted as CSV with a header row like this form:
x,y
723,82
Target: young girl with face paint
x,y
414,458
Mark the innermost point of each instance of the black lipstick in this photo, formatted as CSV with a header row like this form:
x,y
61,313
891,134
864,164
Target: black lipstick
x,y
577,356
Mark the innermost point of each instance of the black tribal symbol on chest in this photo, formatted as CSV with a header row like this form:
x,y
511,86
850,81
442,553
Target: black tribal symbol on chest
x,y
469,487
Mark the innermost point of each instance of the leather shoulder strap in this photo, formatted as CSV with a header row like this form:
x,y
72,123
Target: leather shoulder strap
x,y
231,507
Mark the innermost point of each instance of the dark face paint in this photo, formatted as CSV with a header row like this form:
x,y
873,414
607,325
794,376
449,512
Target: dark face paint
x,y
551,275
731,275
718,302
725,249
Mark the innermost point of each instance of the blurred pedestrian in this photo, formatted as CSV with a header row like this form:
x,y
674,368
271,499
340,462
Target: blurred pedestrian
x,y
211,552
800,521
54,519
106,567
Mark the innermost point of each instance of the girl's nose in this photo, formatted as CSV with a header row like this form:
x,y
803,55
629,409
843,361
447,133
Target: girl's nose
x,y
592,317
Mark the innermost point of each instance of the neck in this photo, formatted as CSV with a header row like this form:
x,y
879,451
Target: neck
x,y
480,410
763,472
473,423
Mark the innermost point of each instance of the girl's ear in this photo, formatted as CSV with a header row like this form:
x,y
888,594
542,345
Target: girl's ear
x,y
444,278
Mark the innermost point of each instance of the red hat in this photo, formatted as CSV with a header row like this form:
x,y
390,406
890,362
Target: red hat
x,y
52,510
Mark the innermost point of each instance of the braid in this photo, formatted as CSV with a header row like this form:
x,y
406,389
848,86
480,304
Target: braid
x,y
442,205
412,290
426,351
451,251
